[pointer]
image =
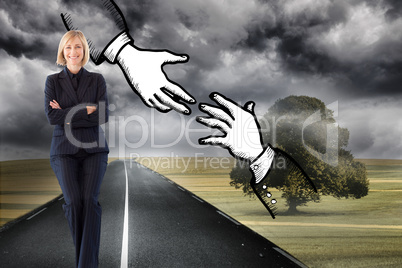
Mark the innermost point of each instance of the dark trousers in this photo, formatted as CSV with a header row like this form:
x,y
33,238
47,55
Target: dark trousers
x,y
80,177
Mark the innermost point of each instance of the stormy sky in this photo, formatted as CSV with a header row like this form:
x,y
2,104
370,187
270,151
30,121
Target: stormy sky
x,y
343,52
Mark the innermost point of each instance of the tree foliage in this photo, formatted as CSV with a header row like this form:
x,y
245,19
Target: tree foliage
x,y
286,127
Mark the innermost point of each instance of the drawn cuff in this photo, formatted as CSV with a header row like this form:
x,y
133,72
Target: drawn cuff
x,y
116,46
261,165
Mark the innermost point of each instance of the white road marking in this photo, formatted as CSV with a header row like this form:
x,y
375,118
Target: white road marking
x,y
202,201
124,247
61,198
181,188
290,257
43,209
228,217
171,182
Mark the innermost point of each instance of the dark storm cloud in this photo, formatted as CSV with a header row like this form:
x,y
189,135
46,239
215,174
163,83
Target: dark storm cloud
x,y
137,13
292,31
395,9
32,17
378,73
247,50
193,22
32,49
26,129
28,29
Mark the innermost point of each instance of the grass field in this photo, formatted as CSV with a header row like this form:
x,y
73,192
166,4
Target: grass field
x,y
24,186
333,233
363,232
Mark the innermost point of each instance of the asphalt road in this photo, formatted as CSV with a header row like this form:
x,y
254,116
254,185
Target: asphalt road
x,y
159,224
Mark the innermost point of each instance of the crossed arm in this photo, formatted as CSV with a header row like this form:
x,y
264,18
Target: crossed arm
x,y
82,115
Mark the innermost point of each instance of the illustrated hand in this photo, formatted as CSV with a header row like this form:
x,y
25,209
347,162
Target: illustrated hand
x,y
239,125
54,104
143,71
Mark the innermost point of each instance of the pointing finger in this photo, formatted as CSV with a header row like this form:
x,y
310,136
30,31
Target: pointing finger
x,y
170,57
216,141
167,101
217,113
178,91
147,102
213,123
230,105
159,106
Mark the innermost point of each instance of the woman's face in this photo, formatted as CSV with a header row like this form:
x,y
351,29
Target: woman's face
x,y
73,52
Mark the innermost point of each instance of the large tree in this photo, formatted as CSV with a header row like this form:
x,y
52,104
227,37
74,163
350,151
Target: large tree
x,y
306,129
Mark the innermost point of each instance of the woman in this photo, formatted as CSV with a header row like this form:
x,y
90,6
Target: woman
x,y
76,103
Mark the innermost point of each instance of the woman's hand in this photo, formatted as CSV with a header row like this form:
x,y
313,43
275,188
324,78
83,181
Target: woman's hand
x,y
91,109
54,104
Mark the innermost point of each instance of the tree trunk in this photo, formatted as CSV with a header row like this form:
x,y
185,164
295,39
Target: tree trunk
x,y
292,207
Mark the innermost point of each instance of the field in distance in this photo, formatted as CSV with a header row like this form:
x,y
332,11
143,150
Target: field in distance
x,y
24,186
363,232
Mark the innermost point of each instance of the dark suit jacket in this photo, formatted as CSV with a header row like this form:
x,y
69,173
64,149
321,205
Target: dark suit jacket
x,y
74,128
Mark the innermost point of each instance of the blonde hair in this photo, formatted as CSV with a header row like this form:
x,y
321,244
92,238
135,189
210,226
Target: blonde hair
x,y
66,37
